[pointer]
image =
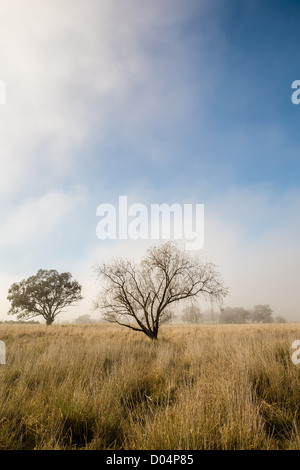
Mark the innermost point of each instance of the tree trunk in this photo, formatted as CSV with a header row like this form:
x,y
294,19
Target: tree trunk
x,y
49,321
153,334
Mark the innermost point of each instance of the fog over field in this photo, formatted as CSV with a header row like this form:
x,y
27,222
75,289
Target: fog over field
x,y
162,101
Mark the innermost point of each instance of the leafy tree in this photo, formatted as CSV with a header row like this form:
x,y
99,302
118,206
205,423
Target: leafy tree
x,y
139,296
234,315
84,319
192,314
280,319
45,294
262,314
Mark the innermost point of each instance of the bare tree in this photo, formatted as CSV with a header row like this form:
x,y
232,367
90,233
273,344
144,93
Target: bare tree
x,y
141,296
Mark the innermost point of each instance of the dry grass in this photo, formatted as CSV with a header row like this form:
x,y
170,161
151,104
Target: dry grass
x,y
105,387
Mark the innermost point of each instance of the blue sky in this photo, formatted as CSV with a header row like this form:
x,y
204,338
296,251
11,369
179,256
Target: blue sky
x,y
162,101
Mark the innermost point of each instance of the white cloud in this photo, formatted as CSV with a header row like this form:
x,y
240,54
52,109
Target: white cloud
x,y
253,236
77,69
36,218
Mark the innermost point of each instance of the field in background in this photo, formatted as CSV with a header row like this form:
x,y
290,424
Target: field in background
x,y
105,387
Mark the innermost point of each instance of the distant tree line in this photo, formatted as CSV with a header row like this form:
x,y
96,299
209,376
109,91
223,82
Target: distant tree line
x,y
17,322
87,320
232,315
258,314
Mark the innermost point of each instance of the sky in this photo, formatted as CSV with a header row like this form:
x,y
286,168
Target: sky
x,y
162,101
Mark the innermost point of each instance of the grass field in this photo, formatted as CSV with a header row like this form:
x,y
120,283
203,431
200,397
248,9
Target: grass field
x,y
105,387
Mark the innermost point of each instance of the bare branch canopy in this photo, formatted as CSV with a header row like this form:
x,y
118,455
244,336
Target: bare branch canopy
x,y
141,296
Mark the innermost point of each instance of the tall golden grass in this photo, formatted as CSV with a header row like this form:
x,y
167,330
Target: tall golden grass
x,y
106,387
